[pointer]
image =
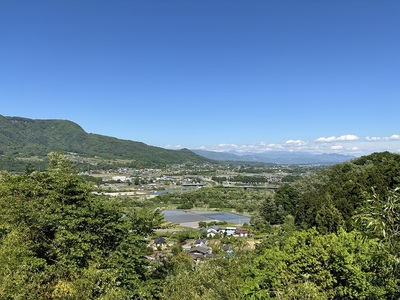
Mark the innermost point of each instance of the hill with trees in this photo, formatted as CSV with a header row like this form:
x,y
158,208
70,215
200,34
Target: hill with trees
x,y
329,198
22,138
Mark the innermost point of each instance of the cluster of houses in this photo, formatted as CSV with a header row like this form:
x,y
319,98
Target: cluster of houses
x,y
196,250
199,249
214,230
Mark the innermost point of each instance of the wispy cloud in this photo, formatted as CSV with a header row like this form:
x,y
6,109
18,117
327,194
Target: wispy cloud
x,y
393,137
296,142
337,147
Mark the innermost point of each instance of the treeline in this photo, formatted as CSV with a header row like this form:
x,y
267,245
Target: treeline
x,y
231,198
242,179
13,164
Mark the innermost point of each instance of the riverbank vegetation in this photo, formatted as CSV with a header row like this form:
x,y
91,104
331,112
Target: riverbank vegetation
x,y
333,234
236,199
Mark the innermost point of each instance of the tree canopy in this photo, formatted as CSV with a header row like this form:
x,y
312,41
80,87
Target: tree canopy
x,y
59,241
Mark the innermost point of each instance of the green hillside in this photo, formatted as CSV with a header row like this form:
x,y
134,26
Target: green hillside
x,y
23,139
329,198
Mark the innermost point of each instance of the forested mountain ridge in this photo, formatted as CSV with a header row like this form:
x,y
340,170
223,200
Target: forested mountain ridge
x,y
28,137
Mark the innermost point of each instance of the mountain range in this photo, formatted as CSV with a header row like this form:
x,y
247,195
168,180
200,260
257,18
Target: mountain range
x,y
22,139
277,157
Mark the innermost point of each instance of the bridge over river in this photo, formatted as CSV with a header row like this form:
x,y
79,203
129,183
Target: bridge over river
x,y
253,187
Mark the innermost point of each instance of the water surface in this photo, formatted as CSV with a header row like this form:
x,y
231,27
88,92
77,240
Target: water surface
x,y
183,217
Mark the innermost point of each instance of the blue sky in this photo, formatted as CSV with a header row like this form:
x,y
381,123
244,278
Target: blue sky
x,y
319,76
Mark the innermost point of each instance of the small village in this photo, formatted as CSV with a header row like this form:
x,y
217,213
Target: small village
x,y
201,248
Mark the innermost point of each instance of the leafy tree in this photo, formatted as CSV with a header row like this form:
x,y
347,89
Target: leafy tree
x,y
71,244
328,218
272,212
287,196
380,218
308,265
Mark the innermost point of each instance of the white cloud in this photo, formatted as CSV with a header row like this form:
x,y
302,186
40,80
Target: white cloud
x,y
338,147
346,137
228,146
296,142
326,139
275,146
173,147
393,137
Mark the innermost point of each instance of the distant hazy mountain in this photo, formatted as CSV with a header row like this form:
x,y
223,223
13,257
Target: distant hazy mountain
x,y
277,157
22,137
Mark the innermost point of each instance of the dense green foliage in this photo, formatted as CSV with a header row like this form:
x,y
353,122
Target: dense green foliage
x,y
59,241
238,199
380,218
218,278
22,137
288,265
309,265
329,198
333,194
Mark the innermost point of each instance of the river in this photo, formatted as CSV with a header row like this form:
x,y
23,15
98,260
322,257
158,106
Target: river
x,y
191,218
